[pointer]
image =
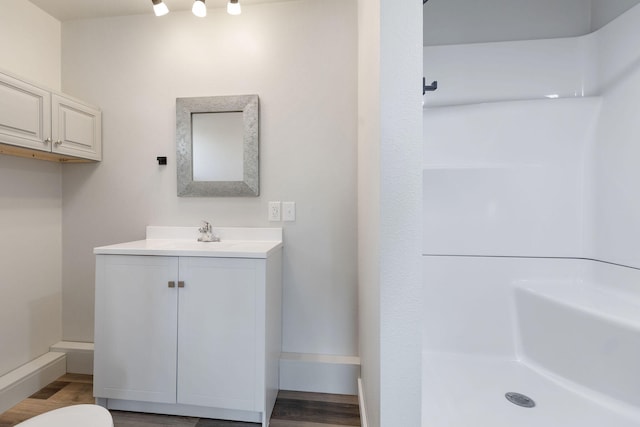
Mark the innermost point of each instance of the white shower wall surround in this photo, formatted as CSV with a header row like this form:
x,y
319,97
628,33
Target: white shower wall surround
x,y
500,156
508,178
533,69
532,231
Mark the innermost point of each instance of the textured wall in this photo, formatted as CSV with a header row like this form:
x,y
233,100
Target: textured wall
x,y
399,227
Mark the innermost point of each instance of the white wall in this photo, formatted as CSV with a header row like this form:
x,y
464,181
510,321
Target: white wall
x,y
400,208
30,43
389,141
300,58
369,121
30,202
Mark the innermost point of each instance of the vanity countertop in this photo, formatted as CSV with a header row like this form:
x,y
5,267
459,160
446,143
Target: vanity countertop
x,y
183,241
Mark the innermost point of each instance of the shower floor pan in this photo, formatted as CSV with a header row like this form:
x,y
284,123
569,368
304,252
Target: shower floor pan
x,y
576,355
467,391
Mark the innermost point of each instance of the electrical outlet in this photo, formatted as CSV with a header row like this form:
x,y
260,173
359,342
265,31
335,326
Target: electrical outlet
x,y
274,211
288,211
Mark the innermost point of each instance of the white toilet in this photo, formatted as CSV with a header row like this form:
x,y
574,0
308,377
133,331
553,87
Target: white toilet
x,y
72,416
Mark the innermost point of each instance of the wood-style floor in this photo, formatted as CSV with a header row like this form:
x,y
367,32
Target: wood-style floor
x,y
293,409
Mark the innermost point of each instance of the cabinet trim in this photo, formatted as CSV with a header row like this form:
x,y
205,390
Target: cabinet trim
x,y
30,153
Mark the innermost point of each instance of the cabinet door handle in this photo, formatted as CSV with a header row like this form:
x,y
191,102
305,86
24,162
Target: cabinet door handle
x,y
47,141
58,142
181,284
172,284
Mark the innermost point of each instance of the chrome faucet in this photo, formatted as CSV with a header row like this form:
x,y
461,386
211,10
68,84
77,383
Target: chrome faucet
x,y
206,233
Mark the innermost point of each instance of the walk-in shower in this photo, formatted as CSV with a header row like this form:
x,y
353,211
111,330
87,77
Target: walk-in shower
x,y
531,219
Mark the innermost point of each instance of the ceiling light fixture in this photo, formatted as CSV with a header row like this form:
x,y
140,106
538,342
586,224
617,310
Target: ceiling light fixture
x,y
199,9
159,8
233,7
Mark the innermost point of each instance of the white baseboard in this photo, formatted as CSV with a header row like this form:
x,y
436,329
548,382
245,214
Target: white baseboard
x,y
363,407
29,378
79,356
298,372
319,373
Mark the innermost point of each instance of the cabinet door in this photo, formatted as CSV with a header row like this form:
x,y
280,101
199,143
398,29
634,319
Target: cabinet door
x,y
217,335
76,128
25,114
136,327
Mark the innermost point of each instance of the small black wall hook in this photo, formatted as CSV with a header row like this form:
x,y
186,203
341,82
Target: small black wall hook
x,y
430,88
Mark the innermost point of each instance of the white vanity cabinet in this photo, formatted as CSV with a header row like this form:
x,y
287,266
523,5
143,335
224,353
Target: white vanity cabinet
x,y
136,324
219,320
188,335
35,122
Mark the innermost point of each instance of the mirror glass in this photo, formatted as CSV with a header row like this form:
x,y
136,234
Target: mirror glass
x,y
217,146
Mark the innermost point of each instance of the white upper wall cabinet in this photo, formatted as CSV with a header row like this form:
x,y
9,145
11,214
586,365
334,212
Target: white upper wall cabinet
x,y
25,114
75,128
37,123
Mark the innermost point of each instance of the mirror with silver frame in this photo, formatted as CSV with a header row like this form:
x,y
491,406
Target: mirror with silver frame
x,y
217,146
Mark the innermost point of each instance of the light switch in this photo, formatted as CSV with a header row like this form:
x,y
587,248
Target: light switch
x,y
288,211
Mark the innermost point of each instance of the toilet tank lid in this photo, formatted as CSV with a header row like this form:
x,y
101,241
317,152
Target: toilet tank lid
x,y
72,416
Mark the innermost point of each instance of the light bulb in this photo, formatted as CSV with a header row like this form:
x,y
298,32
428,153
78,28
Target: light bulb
x,y
199,9
159,8
233,7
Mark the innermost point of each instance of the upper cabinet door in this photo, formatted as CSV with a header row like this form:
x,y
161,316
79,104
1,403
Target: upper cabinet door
x,y
25,114
76,128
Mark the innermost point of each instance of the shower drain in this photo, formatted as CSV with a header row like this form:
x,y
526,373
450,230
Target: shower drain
x,y
520,399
